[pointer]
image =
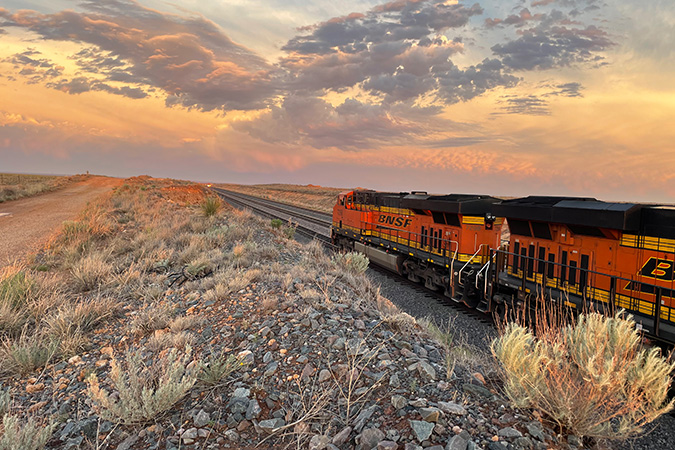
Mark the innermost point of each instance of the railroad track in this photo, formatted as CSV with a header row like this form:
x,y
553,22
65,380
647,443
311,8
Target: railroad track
x,y
313,224
316,225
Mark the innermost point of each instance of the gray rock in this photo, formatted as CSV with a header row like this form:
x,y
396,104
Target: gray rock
x,y
339,344
509,432
457,442
452,408
241,392
238,405
88,427
190,435
370,438
203,432
434,447
232,436
398,401
430,414
271,368
387,445
421,429
246,357
412,446
536,431
496,446
253,410
270,425
267,357
524,442
74,443
128,442
362,418
324,375
394,381
202,418
476,390
356,347
426,370
319,442
342,436
573,440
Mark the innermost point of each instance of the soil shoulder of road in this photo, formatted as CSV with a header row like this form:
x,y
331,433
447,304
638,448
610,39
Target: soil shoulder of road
x,y
27,224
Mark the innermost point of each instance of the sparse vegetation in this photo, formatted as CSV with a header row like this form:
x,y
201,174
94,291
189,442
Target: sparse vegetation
x,y
217,368
144,392
14,186
353,262
590,376
28,435
27,353
211,206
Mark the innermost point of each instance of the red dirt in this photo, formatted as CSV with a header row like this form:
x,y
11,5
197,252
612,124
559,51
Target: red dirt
x,y
26,224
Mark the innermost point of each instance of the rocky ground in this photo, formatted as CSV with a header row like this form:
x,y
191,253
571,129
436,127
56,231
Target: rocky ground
x,y
313,356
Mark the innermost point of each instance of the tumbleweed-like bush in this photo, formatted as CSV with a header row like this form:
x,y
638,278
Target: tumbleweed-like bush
x,y
592,376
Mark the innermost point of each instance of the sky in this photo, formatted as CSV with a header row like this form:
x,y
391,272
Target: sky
x,y
509,98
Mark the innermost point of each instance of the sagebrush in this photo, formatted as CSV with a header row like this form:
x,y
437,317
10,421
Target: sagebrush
x,y
592,376
144,391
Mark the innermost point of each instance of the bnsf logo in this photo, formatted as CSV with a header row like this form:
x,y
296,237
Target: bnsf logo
x,y
661,269
400,222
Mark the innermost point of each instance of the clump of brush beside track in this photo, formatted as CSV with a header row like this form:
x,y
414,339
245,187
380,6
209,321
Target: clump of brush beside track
x,y
163,319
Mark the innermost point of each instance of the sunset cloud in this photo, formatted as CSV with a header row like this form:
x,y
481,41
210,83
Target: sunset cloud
x,y
488,94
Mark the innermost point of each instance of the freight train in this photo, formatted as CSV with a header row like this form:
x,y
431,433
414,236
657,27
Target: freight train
x,y
581,252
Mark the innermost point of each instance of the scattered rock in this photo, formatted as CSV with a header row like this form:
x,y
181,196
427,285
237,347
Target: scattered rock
x,y
370,437
421,429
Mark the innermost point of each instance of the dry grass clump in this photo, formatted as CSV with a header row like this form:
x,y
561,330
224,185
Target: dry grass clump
x,y
83,316
459,352
27,353
91,272
144,391
162,340
150,318
5,401
28,435
217,368
591,376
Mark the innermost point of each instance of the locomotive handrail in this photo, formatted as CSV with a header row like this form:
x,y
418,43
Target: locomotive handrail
x,y
485,266
467,263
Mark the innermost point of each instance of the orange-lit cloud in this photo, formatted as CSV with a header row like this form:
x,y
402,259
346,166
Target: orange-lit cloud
x,y
559,97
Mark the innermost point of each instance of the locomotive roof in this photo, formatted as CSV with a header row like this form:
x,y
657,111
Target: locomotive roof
x,y
467,204
583,211
658,221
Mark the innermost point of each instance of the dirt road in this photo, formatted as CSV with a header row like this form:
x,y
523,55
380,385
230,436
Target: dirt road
x,y
27,224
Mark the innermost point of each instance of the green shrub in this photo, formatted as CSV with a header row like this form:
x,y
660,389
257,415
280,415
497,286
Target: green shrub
x,y
591,377
210,206
353,262
144,391
276,223
24,436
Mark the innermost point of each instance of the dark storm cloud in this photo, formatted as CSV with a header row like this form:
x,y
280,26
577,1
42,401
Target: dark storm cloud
x,y
187,57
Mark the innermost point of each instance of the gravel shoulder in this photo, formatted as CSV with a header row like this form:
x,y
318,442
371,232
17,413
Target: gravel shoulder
x,y
27,224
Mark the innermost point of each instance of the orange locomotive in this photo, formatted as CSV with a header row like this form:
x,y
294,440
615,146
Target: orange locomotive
x,y
444,241
580,251
587,252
